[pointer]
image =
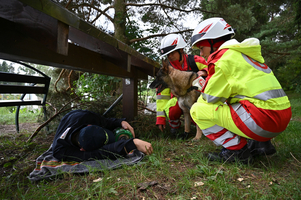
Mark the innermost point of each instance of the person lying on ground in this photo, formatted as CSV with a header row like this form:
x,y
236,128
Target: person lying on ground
x,y
85,135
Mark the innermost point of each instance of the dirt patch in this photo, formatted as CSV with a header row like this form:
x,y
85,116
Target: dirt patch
x,y
24,127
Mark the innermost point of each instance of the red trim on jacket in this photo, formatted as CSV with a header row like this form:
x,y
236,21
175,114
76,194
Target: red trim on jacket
x,y
213,58
270,120
161,121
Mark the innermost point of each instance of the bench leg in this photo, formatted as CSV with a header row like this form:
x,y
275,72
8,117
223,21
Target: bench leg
x,y
17,119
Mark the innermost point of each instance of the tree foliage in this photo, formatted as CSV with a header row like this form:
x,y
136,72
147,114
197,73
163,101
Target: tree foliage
x,y
141,24
5,67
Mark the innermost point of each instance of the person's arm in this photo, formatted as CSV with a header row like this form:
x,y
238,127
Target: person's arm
x,y
162,99
109,151
110,123
201,63
217,87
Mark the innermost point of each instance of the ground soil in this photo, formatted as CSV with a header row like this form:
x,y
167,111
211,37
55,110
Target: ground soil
x,y
11,129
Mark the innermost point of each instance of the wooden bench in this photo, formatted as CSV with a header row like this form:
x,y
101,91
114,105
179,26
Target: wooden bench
x,y
31,85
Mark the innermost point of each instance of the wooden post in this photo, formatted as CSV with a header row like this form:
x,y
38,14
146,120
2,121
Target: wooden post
x,y
130,98
62,38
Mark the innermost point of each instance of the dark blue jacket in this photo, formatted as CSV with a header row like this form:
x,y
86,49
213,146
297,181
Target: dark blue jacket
x,y
64,149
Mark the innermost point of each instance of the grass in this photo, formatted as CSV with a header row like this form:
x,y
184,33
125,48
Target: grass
x,y
7,115
179,169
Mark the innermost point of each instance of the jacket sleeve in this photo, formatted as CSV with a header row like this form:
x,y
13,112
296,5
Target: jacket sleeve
x,y
200,62
110,123
217,88
162,99
109,151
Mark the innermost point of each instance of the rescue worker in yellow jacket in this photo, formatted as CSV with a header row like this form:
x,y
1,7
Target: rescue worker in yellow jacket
x,y
242,105
173,46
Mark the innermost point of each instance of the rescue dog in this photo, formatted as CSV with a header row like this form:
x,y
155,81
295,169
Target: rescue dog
x,y
180,84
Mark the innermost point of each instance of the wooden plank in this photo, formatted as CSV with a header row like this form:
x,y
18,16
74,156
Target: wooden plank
x,y
30,22
60,13
14,46
54,10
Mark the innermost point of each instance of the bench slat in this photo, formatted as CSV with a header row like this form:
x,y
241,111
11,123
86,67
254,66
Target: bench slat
x,y
5,103
21,78
20,89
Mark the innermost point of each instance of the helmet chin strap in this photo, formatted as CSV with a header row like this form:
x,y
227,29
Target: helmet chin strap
x,y
211,44
180,55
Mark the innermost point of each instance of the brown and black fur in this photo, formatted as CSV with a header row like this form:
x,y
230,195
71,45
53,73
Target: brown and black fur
x,y
180,83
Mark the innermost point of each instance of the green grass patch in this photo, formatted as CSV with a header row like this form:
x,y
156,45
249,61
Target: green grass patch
x,y
177,170
7,115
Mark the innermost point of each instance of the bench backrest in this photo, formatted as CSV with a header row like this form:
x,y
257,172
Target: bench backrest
x,y
30,85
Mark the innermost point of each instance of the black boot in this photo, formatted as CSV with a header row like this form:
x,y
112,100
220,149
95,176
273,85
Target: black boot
x,y
183,136
174,131
242,155
261,148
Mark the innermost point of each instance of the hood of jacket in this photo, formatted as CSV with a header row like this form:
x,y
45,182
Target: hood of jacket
x,y
250,47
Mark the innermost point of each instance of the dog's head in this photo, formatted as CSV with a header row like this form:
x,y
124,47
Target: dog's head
x,y
161,79
168,77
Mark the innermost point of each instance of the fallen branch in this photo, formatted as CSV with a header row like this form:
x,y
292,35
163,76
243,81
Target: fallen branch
x,y
294,157
143,107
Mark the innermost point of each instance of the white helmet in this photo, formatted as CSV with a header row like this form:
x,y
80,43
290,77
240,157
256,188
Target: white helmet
x,y
171,43
211,28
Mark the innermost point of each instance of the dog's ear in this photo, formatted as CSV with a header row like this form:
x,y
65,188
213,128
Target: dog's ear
x,y
165,68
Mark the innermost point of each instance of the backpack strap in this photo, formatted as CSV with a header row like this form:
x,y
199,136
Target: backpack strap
x,y
192,64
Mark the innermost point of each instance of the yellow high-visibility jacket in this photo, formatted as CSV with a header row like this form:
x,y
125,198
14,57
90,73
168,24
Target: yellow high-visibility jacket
x,y
237,73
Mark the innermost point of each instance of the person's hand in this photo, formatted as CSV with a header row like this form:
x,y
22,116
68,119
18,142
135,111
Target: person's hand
x,y
127,126
143,146
202,73
161,127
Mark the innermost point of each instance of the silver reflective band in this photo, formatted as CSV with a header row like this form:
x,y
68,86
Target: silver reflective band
x,y
212,129
232,142
250,123
160,113
271,94
262,67
162,97
213,99
220,140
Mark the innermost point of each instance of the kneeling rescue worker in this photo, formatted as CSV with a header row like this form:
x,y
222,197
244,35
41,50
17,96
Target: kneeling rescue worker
x,y
242,105
173,46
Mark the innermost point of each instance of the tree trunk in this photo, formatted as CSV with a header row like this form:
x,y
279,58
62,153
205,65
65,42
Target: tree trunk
x,y
120,20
